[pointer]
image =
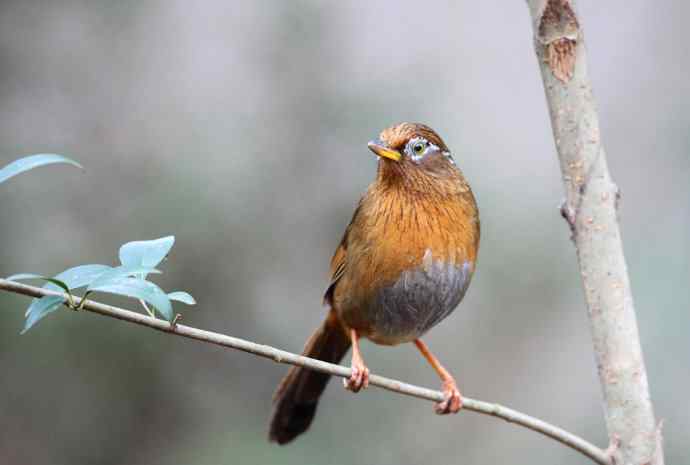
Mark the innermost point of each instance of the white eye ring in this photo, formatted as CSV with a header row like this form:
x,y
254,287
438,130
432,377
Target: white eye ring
x,y
416,148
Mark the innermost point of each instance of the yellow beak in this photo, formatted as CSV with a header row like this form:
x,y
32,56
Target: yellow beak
x,y
380,149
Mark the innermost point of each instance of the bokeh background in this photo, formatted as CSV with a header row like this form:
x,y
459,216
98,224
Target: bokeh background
x,y
241,128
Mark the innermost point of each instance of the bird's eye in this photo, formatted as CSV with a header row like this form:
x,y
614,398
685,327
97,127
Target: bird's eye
x,y
418,148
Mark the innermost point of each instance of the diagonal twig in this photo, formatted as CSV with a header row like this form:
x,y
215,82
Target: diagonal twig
x,y
281,356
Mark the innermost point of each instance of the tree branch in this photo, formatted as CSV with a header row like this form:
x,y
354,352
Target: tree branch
x,y
281,356
591,211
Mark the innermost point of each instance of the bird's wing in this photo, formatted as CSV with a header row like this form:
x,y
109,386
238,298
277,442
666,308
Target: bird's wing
x,y
339,260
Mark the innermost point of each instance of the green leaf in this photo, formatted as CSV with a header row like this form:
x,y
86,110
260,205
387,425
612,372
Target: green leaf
x,y
80,276
40,308
24,276
138,289
31,162
121,272
183,297
146,253
70,279
57,283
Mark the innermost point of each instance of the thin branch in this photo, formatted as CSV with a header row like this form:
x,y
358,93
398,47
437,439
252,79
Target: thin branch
x,y
281,356
590,209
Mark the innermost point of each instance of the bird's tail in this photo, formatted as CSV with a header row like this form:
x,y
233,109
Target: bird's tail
x,y
295,400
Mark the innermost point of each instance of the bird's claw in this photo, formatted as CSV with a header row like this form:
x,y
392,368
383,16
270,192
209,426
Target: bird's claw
x,y
358,380
452,402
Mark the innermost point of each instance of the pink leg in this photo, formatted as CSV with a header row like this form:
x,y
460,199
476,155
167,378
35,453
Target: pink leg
x,y
359,379
453,400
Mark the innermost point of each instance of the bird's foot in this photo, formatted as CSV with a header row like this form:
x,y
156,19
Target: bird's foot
x,y
452,402
358,380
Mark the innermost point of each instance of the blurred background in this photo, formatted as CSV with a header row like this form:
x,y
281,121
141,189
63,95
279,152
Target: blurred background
x,y
241,128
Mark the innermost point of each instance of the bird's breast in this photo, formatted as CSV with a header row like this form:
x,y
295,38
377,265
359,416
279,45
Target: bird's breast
x,y
410,260
392,304
418,300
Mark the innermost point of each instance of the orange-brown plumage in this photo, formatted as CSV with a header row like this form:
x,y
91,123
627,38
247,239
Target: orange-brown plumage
x,y
404,263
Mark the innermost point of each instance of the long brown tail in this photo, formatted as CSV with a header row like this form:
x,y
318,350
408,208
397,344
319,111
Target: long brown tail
x,y
295,400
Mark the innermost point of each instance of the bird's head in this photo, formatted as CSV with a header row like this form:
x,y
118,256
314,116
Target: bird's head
x,y
414,154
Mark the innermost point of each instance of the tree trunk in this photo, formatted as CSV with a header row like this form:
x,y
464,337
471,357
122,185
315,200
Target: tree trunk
x,y
590,208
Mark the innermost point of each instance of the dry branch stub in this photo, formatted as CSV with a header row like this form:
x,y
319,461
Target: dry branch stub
x,y
558,33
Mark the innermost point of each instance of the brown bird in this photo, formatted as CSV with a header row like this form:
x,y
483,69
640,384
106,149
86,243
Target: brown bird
x,y
403,265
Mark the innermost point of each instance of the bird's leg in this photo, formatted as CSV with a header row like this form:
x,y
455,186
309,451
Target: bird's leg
x,y
453,400
359,378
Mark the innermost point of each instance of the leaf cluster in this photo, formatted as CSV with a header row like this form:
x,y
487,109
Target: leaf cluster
x,y
138,260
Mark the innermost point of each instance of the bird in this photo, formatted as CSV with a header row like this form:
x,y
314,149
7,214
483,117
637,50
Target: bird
x,y
403,265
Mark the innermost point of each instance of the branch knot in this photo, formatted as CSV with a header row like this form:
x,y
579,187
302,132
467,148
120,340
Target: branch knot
x,y
558,33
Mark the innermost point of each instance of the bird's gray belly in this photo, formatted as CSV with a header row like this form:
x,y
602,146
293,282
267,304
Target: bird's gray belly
x,y
419,300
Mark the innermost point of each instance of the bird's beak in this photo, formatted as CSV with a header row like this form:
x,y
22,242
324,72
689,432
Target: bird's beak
x,y
380,149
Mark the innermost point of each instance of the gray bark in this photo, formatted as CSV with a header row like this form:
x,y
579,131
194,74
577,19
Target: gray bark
x,y
590,208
